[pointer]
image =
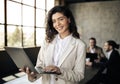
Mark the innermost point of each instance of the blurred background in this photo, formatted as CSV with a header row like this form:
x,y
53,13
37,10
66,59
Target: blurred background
x,y
22,24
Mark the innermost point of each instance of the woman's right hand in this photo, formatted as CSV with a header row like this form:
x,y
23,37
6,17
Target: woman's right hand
x,y
31,75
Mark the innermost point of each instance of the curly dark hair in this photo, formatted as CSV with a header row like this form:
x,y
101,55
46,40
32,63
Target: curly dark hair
x,y
50,30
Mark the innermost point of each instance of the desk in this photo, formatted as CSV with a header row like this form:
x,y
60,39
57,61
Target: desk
x,y
23,80
89,73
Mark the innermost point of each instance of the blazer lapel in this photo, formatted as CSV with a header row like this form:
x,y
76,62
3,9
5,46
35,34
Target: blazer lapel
x,y
66,52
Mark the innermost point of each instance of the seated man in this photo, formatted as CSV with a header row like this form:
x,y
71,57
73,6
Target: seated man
x,y
94,53
109,72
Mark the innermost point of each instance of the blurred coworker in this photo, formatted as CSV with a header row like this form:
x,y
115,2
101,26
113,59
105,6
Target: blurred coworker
x,y
109,73
95,53
113,64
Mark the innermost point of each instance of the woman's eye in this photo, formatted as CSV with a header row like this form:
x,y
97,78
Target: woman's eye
x,y
61,18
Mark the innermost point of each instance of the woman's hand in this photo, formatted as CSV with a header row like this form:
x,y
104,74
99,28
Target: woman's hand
x,y
31,75
53,69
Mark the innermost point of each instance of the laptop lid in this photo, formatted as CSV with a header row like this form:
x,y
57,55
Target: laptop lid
x,y
20,58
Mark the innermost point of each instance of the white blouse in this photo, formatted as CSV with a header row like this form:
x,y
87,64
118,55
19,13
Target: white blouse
x,y
60,46
108,54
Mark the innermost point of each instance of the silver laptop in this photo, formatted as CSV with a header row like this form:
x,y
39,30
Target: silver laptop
x,y
20,58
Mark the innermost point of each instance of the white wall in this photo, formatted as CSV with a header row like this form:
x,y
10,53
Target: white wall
x,y
98,19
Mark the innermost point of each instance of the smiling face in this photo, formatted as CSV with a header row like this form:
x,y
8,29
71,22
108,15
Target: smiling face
x,y
107,47
92,43
61,24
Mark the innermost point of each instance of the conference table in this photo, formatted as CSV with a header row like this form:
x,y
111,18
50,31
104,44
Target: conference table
x,y
89,73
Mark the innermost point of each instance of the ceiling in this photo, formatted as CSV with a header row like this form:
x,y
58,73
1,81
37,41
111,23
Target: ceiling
x,y
76,1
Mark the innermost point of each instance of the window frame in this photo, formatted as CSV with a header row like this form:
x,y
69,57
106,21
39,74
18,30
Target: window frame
x,y
35,26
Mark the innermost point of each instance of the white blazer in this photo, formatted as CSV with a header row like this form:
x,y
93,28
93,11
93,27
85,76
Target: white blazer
x,y
71,63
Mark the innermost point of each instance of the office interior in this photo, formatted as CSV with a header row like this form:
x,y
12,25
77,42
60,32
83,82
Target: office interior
x,y
22,24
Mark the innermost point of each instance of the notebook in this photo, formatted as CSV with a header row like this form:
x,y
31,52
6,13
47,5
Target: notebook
x,y
92,56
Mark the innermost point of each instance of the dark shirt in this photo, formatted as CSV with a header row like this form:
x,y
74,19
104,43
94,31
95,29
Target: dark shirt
x,y
112,67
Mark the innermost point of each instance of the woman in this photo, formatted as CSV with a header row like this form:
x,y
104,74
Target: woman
x,y
63,52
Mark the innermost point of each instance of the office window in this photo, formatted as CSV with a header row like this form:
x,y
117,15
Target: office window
x,y
29,2
40,18
28,15
28,36
13,13
50,4
22,24
17,0
2,36
40,34
41,4
1,11
14,36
